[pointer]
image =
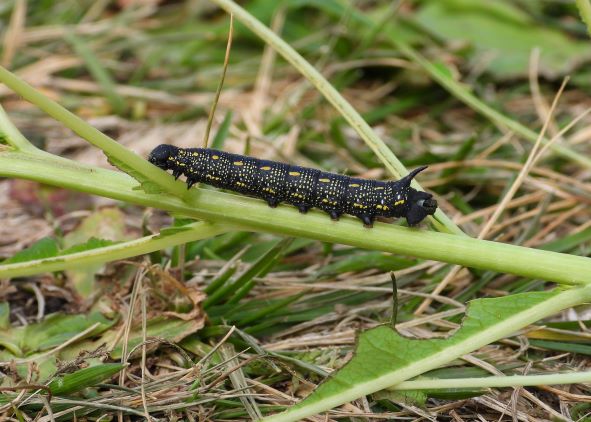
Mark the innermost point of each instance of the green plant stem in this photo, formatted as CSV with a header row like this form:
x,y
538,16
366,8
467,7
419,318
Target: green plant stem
x,y
251,214
491,382
91,134
585,11
442,222
141,246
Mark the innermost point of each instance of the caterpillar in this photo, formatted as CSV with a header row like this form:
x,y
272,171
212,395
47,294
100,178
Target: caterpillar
x,y
303,187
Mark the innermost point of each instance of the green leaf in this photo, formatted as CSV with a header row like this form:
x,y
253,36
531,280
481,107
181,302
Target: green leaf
x,y
384,358
83,378
502,36
44,248
58,328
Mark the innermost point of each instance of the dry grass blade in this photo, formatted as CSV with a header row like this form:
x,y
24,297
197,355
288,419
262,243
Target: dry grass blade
x,y
220,85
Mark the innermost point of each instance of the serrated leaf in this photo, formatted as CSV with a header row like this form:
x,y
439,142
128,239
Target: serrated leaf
x,y
384,358
44,248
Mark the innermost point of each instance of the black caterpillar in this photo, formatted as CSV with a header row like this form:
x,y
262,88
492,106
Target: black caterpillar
x,y
300,186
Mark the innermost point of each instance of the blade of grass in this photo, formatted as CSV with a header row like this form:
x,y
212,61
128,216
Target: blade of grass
x,y
220,85
441,221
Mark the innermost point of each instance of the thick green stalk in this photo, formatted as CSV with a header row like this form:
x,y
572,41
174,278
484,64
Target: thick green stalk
x,y
251,214
141,246
442,222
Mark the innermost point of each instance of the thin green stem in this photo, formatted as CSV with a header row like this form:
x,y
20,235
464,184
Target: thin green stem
x,y
13,136
141,246
136,164
442,222
493,382
585,11
251,214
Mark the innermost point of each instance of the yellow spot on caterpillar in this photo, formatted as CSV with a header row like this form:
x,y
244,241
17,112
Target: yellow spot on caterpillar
x,y
215,157
194,154
325,201
170,158
357,205
266,168
324,180
379,207
354,185
380,188
399,202
240,184
294,173
269,190
238,163
297,195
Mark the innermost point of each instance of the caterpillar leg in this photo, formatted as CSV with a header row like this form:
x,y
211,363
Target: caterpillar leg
x,y
303,208
177,173
190,182
367,220
273,202
334,215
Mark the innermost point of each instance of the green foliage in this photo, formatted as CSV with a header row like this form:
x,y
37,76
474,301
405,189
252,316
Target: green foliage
x,y
384,358
503,36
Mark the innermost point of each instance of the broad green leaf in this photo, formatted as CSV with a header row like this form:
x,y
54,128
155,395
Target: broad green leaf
x,y
384,358
503,36
44,248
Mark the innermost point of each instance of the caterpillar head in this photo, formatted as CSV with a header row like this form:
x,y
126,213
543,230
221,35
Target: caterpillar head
x,y
422,204
160,156
417,204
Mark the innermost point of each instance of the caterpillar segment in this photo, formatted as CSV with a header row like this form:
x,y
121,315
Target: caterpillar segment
x,y
301,187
